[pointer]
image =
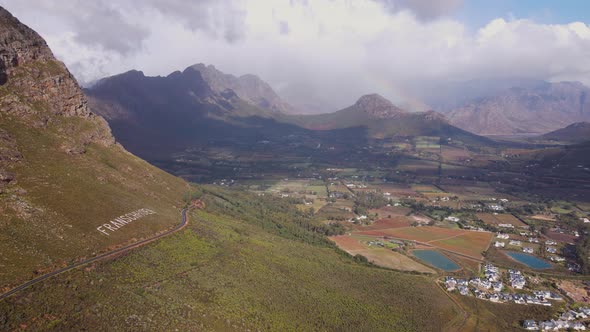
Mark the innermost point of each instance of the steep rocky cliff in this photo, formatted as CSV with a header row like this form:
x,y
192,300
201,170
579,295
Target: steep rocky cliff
x,y
61,173
38,89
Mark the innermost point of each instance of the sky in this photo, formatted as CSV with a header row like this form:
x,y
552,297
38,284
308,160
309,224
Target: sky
x,y
327,52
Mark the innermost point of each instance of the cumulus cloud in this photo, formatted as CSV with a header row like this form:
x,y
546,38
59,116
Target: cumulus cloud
x,y
322,52
424,9
220,18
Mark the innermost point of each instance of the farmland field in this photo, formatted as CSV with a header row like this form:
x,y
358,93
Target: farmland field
x,y
454,154
543,217
561,237
427,142
388,223
347,243
393,211
496,219
422,234
470,244
390,259
398,190
380,256
303,187
415,165
460,241
426,189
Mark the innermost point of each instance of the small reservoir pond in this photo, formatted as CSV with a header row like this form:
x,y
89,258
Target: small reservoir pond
x,y
436,259
529,260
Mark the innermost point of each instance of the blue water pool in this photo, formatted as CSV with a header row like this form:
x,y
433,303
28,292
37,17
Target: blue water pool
x,y
529,260
436,259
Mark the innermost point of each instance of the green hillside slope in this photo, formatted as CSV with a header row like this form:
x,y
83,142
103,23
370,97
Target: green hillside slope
x,y
249,262
61,173
242,264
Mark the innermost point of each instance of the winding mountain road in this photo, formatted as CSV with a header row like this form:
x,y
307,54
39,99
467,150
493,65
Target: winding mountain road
x,y
126,248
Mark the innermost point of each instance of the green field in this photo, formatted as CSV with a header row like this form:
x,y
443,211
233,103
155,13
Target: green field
x,y
427,142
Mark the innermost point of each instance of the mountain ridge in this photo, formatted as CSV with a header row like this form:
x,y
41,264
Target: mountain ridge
x,y
383,119
539,110
248,87
577,132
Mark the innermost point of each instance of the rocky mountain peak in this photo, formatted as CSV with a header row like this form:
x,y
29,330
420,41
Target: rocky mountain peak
x,y
248,87
38,89
20,44
377,106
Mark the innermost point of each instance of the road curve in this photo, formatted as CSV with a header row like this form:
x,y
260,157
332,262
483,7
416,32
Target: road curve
x,y
126,248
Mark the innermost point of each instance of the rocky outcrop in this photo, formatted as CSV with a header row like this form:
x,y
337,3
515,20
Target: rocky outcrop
x,y
8,148
248,87
9,154
19,45
37,89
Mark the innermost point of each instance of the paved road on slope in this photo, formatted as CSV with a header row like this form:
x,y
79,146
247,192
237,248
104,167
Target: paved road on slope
x,y
126,248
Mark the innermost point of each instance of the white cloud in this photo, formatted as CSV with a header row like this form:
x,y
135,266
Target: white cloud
x,y
423,9
338,49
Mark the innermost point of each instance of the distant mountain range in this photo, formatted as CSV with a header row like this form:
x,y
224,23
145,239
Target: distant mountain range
x,y
511,106
150,114
383,119
448,96
532,110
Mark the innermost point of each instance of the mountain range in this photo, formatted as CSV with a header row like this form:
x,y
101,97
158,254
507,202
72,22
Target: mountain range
x,y
179,110
188,107
530,110
383,119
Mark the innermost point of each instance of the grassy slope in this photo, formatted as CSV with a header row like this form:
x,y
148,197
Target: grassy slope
x,y
50,214
249,263
261,271
488,316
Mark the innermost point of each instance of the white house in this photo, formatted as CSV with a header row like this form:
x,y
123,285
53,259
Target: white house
x,y
578,326
530,325
528,250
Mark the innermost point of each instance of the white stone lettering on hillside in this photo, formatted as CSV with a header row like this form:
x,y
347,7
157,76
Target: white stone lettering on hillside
x,y
123,220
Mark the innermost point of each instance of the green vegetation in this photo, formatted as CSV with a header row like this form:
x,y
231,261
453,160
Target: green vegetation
x,y
243,263
50,213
